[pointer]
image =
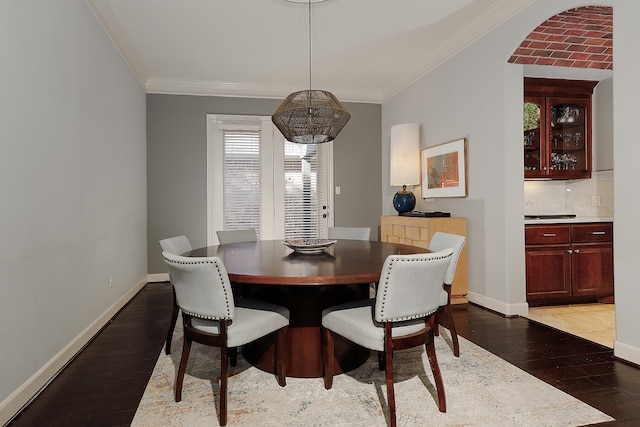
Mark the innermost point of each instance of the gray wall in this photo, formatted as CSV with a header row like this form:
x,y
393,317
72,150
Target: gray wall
x,y
177,165
603,126
72,185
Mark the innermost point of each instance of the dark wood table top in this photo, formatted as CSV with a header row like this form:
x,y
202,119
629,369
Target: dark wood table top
x,y
269,262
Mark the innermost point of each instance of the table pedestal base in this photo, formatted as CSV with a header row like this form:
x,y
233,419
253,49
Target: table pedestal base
x,y
305,304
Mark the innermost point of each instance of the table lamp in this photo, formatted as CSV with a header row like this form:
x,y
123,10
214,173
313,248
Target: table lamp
x,y
404,164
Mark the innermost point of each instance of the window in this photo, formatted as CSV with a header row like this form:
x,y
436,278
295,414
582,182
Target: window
x,y
257,179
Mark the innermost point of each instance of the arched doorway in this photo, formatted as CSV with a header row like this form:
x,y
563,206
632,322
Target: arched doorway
x,y
577,44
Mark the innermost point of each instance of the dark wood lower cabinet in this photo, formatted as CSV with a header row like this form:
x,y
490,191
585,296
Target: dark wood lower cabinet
x,y
592,269
548,272
569,263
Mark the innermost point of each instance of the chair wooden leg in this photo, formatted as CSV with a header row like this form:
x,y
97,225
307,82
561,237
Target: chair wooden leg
x,y
174,318
448,315
444,316
388,356
186,348
224,377
224,372
281,356
327,357
233,356
435,369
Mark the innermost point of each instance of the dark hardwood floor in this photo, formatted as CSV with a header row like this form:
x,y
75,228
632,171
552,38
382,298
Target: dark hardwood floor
x,y
103,385
105,382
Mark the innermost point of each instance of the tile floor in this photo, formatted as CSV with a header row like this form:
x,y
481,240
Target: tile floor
x,y
595,322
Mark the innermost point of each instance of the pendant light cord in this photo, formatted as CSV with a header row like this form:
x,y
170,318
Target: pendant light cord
x,y
309,46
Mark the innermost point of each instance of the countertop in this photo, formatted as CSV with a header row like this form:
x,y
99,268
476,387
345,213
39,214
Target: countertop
x,y
576,220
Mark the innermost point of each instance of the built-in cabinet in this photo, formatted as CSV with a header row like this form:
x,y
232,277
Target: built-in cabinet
x,y
557,128
418,232
569,263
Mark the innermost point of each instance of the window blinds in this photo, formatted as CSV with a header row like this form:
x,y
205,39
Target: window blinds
x,y
259,180
303,190
241,180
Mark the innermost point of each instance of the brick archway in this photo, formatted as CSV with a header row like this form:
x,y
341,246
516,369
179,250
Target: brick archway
x,y
578,38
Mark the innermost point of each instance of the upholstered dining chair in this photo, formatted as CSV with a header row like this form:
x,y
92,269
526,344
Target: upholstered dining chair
x,y
176,245
444,317
351,233
237,236
400,317
211,317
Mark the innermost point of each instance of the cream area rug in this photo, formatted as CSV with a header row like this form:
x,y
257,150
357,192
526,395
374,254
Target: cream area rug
x,y
481,390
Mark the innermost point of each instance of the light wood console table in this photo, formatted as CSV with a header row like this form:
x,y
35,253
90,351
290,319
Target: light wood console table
x,y
418,232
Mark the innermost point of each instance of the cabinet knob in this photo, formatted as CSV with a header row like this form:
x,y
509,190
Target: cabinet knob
x,y
569,251
549,235
577,251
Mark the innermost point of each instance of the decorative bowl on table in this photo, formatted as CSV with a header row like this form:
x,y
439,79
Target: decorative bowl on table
x,y
308,246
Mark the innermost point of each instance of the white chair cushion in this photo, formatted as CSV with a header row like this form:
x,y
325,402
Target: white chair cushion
x,y
253,319
354,321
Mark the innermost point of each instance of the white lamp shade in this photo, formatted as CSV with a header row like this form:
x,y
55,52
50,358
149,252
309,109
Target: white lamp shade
x,y
405,154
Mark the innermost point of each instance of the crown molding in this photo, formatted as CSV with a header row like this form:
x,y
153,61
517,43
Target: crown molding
x,y
480,20
241,90
489,18
107,19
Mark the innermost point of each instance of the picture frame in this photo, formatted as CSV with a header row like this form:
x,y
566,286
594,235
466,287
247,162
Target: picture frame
x,y
444,170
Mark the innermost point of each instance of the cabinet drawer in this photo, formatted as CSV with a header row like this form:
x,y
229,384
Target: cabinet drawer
x,y
594,232
546,234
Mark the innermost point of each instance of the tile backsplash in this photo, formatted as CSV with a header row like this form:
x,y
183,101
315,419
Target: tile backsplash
x,y
572,196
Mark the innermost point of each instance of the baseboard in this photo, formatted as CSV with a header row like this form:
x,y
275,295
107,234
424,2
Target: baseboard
x,y
21,396
626,352
158,277
518,309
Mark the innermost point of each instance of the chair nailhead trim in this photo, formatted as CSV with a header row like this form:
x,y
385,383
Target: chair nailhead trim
x,y
386,286
222,278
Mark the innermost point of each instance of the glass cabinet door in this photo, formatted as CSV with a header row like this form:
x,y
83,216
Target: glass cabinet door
x,y
533,137
569,155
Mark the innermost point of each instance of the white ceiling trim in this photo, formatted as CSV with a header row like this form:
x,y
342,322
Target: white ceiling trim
x,y
453,33
107,19
211,88
480,24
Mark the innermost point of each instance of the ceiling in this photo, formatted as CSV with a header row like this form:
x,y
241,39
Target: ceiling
x,y
362,50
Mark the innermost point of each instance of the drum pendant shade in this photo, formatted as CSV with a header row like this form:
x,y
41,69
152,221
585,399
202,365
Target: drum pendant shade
x,y
310,116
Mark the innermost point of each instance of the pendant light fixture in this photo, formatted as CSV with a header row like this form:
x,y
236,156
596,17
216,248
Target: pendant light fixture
x,y
310,116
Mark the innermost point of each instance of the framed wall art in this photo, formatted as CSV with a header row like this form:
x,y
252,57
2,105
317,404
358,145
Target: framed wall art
x,y
444,170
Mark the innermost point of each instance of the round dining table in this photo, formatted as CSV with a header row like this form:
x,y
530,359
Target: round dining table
x,y
306,284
